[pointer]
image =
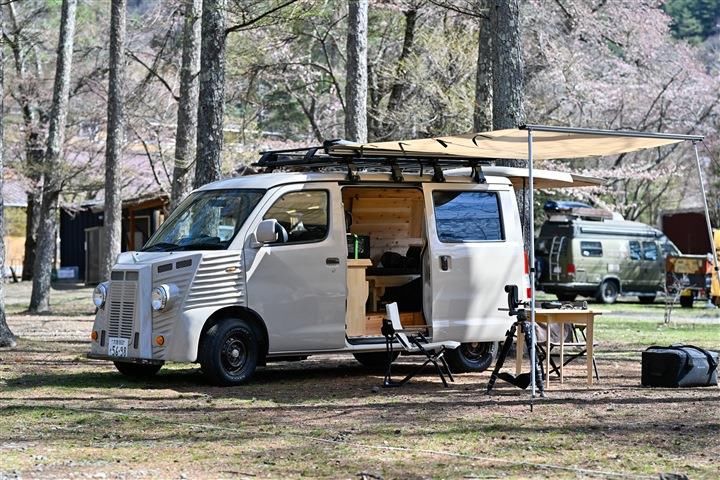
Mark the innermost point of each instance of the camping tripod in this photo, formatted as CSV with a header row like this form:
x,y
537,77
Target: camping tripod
x,y
522,380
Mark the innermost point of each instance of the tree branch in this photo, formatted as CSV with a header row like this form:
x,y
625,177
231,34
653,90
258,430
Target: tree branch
x,y
149,157
251,22
152,72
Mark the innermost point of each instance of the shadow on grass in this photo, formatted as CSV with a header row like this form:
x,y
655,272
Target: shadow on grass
x,y
293,384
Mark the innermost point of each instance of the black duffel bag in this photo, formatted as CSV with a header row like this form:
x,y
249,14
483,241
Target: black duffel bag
x,y
679,366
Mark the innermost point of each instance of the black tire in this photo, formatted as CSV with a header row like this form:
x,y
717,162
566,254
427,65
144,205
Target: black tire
x,y
647,299
374,361
228,352
567,297
472,357
686,301
608,292
138,371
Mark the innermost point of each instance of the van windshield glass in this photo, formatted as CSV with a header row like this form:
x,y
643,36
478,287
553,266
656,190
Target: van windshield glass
x,y
205,220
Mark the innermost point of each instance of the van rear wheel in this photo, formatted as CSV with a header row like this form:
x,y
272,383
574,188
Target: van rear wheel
x,y
374,361
229,352
472,357
608,292
686,301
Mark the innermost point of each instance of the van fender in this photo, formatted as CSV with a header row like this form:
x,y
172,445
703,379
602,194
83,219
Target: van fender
x,y
612,277
194,323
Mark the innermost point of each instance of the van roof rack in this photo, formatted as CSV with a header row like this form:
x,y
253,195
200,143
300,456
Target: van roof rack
x,y
317,157
565,210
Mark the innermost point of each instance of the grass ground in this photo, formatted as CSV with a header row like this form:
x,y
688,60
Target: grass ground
x,y
64,416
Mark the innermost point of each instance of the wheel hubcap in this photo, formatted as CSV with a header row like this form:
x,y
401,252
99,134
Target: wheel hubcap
x,y
475,351
234,354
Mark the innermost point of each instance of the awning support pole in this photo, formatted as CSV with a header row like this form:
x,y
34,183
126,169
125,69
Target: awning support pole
x,y
531,253
707,213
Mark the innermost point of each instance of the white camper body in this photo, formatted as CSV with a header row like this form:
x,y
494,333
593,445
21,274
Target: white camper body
x,y
257,268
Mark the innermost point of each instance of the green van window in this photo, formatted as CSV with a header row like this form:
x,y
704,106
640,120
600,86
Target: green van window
x,y
650,251
591,249
635,250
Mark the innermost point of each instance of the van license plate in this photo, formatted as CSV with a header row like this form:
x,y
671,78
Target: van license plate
x,y
118,347
557,269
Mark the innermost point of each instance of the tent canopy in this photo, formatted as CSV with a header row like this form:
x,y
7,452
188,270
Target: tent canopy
x,y
553,143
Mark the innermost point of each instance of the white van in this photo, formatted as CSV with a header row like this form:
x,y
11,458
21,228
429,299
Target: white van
x,y
280,266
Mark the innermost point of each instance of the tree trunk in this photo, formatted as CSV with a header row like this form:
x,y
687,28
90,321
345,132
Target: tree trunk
x,y
397,92
482,115
34,149
357,77
46,246
186,134
212,93
115,136
7,339
507,65
507,92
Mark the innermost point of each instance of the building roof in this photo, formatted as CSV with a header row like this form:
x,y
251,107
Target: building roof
x,y
14,190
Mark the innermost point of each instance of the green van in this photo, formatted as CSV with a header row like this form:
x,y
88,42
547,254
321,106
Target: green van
x,y
581,252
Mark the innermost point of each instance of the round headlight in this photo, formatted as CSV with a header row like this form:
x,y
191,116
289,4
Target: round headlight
x,y
99,295
160,297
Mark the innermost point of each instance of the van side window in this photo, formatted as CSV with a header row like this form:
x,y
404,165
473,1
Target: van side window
x,y
668,248
591,249
650,251
303,214
467,216
635,251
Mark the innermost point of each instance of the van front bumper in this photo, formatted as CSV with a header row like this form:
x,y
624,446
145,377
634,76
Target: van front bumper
x,y
141,361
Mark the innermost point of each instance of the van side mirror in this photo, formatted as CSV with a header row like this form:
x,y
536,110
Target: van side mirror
x,y
270,231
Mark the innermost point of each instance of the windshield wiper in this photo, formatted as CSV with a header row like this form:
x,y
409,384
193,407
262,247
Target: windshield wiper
x,y
161,247
203,246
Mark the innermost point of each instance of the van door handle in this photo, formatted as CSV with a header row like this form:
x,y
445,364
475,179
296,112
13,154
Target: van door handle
x,y
332,261
444,263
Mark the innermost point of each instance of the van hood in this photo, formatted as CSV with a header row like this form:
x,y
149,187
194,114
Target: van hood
x,y
135,258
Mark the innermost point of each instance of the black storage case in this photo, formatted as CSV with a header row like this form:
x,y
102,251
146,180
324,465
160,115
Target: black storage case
x,y
679,366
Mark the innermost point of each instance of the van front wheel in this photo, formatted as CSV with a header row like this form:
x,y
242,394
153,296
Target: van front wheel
x,y
228,352
608,292
138,371
472,357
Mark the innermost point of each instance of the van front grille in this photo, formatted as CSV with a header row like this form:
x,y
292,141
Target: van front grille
x,y
122,299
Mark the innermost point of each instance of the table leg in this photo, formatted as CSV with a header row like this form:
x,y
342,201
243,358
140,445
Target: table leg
x,y
589,347
547,355
562,351
518,349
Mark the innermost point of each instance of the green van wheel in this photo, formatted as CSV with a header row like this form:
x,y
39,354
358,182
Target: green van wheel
x,y
608,292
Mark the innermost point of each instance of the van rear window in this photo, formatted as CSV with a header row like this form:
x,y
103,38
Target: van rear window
x,y
467,216
591,249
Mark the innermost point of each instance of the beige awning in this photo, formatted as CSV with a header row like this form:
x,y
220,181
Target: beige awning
x,y
541,178
512,144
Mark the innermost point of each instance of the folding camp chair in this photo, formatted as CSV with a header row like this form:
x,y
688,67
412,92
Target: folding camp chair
x,y
574,339
413,341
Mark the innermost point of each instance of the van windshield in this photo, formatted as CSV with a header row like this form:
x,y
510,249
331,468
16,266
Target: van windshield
x,y
207,220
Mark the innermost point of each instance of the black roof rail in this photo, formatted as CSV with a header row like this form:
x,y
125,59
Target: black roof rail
x,y
316,157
